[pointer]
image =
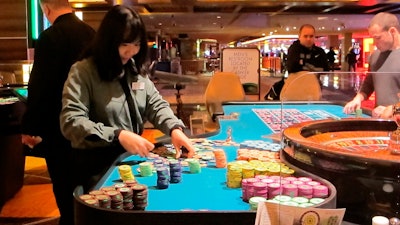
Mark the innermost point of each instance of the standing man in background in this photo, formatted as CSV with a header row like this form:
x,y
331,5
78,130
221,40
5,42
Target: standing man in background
x,y
351,59
331,59
57,48
304,55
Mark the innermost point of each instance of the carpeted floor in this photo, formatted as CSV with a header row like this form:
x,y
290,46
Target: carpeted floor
x,y
29,221
34,203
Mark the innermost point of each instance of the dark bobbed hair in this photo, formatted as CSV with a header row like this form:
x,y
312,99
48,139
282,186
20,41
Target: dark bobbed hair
x,y
120,25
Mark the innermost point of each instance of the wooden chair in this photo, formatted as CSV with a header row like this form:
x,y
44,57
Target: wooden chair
x,y
301,86
222,87
197,122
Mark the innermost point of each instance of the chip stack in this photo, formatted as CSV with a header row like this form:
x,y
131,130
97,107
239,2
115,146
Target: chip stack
x,y
89,199
127,197
140,193
162,177
125,172
86,197
313,183
300,200
297,182
248,171
106,189
92,202
130,183
260,189
274,189
234,175
282,198
261,176
316,201
305,191
290,178
248,188
96,192
104,201
320,191
359,112
260,171
146,169
290,190
304,179
286,172
158,162
117,186
220,158
116,200
254,201
175,170
267,180
194,165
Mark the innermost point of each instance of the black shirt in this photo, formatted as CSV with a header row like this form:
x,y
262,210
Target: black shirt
x,y
299,56
57,48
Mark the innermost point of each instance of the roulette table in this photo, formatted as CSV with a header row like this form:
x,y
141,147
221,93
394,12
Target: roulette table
x,y
353,155
204,198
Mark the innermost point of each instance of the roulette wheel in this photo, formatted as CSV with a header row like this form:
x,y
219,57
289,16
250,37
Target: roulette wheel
x,y
353,154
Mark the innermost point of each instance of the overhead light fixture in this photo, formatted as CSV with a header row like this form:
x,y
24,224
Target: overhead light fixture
x,y
270,37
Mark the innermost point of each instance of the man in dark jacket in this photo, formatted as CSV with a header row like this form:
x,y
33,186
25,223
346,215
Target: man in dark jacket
x,y
303,55
56,49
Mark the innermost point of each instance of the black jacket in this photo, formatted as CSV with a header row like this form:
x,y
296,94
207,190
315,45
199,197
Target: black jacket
x,y
56,49
351,58
299,57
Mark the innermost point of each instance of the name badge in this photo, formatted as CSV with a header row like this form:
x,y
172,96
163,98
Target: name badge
x,y
137,85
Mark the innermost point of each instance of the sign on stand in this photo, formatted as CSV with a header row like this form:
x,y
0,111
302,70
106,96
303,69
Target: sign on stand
x,y
245,62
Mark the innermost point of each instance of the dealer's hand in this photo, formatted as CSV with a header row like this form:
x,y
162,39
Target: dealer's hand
x,y
179,140
134,143
387,112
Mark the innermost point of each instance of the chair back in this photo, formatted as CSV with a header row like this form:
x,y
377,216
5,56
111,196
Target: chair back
x,y
223,87
7,78
301,86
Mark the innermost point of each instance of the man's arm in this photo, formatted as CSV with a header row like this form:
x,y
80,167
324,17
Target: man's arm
x,y
293,59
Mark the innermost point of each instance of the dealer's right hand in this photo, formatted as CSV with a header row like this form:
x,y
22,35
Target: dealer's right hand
x,y
135,144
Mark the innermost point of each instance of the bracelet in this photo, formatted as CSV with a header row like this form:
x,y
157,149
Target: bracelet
x,y
117,132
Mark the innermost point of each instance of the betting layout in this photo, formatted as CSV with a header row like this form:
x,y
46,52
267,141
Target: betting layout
x,y
277,119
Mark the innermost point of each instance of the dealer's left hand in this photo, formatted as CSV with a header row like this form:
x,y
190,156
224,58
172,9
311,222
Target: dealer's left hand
x,y
179,140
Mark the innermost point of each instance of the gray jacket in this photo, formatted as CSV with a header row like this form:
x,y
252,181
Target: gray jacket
x,y
92,109
385,81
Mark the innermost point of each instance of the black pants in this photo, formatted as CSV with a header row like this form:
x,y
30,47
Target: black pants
x,y
91,164
59,166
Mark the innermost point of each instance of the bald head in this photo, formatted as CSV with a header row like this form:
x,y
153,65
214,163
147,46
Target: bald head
x,y
56,3
384,29
307,35
55,8
385,21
